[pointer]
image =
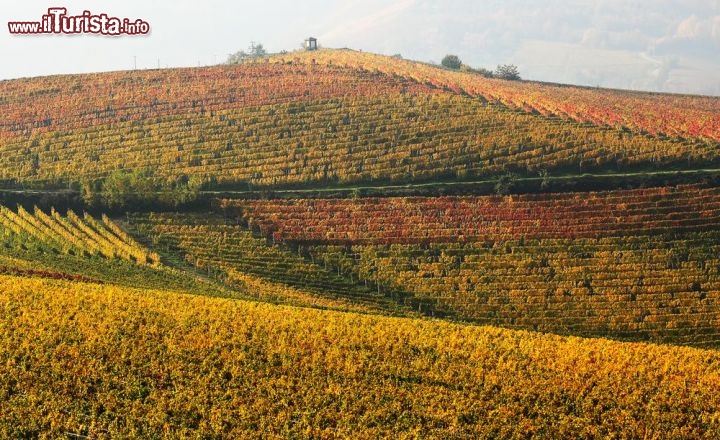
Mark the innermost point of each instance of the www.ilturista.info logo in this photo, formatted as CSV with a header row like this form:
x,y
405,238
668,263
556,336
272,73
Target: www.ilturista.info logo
x,y
56,21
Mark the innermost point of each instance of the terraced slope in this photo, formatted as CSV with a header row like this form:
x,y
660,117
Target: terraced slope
x,y
639,264
235,256
280,124
659,114
74,235
84,360
83,248
476,218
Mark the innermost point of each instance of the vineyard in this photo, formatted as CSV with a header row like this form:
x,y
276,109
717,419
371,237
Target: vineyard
x,y
72,234
658,114
340,244
83,248
494,218
147,364
38,105
236,257
279,125
632,264
75,235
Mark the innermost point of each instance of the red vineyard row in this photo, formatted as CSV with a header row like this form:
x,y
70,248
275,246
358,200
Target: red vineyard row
x,y
477,218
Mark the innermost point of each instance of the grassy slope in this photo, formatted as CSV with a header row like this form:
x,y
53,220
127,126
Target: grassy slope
x,y
104,361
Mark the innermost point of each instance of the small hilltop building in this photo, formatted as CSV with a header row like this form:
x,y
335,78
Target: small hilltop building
x,y
311,43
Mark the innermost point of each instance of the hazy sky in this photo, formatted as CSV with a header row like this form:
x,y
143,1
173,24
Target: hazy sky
x,y
659,45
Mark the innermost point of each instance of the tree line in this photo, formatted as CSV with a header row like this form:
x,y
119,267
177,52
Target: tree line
x,y
503,71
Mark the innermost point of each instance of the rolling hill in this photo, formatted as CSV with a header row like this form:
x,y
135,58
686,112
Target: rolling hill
x,y
296,122
338,243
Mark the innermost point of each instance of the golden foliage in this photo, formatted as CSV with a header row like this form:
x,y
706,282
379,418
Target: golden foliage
x,y
662,114
103,361
72,234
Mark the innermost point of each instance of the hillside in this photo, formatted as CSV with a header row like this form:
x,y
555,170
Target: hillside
x,y
105,362
654,113
632,264
342,244
83,248
348,118
231,252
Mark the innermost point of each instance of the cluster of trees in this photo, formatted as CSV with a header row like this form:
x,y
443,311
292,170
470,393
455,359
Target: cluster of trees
x,y
503,71
256,50
139,189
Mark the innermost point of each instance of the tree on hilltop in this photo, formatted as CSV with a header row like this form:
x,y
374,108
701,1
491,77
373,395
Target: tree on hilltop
x,y
507,71
451,62
256,51
237,57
